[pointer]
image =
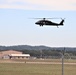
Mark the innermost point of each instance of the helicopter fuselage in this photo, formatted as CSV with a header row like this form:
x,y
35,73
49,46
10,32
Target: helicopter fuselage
x,y
47,22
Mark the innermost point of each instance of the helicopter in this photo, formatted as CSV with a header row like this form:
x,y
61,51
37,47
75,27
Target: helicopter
x,y
48,22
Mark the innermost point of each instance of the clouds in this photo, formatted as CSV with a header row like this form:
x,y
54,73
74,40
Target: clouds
x,y
39,4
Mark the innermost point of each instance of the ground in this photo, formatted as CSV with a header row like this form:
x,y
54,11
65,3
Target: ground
x,y
37,67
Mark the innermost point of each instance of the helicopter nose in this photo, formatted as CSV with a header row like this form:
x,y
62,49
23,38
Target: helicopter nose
x,y
36,23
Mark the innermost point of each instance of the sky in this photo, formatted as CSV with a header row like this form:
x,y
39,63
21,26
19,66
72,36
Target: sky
x,y
18,28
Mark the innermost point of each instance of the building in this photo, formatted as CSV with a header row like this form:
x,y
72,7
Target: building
x,y
12,54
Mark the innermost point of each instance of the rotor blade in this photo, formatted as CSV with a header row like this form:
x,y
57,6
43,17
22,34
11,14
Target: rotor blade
x,y
63,18
47,18
36,18
53,18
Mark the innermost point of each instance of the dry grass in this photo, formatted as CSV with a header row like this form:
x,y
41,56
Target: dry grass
x,y
36,69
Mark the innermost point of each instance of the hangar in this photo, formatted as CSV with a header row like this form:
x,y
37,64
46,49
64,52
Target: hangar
x,y
12,54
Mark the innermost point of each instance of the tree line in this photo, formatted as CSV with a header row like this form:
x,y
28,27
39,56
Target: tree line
x,y
50,53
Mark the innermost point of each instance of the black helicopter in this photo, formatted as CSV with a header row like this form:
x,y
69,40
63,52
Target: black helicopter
x,y
47,22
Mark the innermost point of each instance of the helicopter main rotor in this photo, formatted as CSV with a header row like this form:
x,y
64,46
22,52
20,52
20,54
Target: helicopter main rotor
x,y
47,18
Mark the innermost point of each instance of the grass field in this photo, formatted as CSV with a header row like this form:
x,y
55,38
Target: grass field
x,y
10,68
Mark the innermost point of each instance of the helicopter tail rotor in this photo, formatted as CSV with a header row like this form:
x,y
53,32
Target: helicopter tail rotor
x,y
61,23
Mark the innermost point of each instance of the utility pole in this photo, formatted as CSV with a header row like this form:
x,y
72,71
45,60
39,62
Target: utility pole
x,y
41,54
63,61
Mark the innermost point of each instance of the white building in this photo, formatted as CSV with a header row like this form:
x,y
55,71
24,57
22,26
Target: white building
x,y
19,56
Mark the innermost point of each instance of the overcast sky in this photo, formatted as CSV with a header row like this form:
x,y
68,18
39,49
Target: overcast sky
x,y
16,27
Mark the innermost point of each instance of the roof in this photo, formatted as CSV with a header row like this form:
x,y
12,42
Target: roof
x,y
11,52
23,55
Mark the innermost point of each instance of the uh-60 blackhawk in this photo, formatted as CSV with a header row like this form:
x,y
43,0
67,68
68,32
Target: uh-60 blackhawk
x,y
46,22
